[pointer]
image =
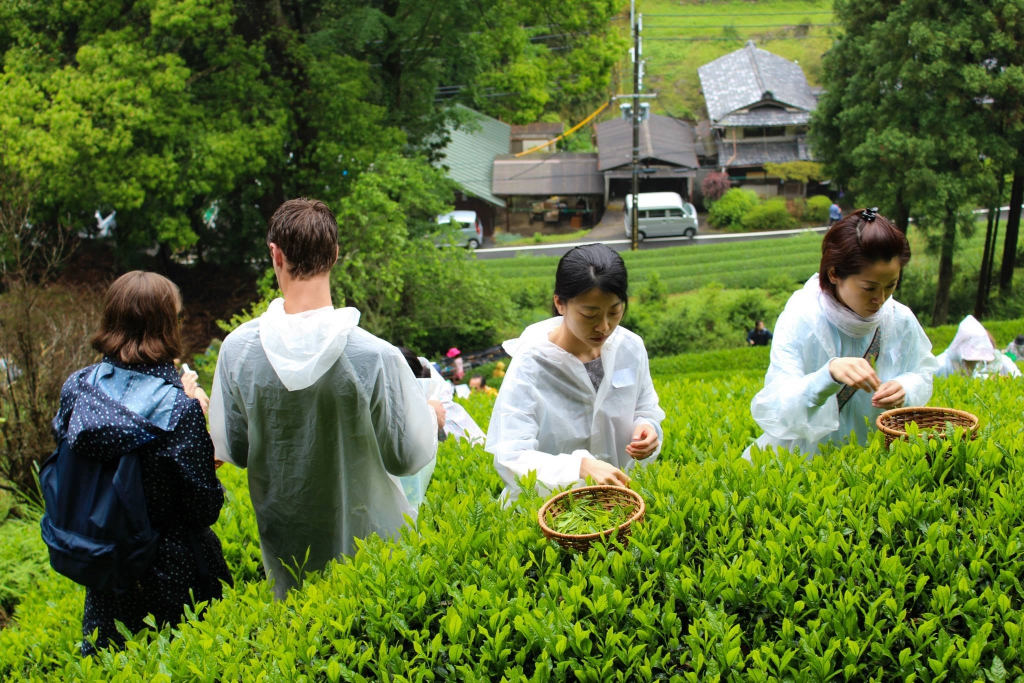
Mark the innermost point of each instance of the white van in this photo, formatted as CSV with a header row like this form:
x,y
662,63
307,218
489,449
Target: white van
x,y
662,214
470,233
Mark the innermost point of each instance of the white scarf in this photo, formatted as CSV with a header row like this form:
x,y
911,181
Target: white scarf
x,y
845,320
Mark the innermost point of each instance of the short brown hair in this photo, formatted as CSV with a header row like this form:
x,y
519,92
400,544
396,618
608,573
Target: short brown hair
x,y
140,320
305,230
851,245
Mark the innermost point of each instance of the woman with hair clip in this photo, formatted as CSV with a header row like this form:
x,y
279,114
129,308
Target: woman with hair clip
x,y
577,400
844,349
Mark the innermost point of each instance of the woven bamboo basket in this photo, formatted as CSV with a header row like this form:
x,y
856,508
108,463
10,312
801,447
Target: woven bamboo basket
x,y
608,496
892,423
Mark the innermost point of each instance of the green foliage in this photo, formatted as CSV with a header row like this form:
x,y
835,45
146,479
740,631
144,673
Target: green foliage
x,y
653,291
23,560
769,215
868,563
800,171
817,209
728,212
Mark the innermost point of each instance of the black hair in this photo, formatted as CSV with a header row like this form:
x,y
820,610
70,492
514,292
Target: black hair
x,y
589,266
414,363
483,380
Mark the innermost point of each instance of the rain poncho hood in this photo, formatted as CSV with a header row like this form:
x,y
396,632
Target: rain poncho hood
x,y
107,410
302,347
972,343
321,441
548,417
798,408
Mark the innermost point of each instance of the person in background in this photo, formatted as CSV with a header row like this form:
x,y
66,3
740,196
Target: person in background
x,y
1015,349
455,357
973,353
458,423
834,214
760,335
844,349
134,399
478,385
577,400
321,412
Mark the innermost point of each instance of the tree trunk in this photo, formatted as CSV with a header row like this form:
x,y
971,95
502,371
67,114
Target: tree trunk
x,y
901,215
940,313
1012,228
981,300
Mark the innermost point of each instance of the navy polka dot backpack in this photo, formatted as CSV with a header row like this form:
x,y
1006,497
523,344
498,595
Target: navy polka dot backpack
x,y
96,524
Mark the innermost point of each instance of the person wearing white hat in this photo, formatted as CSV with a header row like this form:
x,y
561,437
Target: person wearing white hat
x,y
972,353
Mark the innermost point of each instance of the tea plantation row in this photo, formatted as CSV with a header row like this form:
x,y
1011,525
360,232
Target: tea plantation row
x,y
866,564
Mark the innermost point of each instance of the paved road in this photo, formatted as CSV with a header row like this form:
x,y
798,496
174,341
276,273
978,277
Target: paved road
x,y
489,253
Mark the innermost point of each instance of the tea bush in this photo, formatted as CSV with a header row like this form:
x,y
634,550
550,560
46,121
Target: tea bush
x,y
866,564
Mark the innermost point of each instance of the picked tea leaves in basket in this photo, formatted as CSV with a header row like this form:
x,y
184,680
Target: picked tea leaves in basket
x,y
936,421
576,518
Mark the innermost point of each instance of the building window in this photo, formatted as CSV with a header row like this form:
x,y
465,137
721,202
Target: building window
x,y
764,132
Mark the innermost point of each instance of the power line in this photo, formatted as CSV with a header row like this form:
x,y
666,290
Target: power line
x,y
738,38
675,26
753,14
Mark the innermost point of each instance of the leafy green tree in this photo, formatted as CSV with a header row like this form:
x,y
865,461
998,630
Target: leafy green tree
x,y
904,123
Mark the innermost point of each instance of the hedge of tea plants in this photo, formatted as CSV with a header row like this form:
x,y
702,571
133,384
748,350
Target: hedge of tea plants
x,y
866,564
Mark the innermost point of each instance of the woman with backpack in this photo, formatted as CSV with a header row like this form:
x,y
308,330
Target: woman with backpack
x,y
129,425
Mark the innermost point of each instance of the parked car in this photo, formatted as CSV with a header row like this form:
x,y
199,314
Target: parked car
x,y
470,232
662,214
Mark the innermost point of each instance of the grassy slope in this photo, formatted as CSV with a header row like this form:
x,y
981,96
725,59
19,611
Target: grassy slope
x,y
672,64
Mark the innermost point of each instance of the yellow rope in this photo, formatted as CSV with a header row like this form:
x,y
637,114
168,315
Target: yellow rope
x,y
568,132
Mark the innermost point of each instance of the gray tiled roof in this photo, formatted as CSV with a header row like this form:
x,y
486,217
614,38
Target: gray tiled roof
x,y
751,75
470,154
760,152
544,175
532,130
661,137
766,116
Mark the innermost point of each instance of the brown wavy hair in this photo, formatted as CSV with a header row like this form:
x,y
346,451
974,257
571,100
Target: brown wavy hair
x,y
851,245
140,323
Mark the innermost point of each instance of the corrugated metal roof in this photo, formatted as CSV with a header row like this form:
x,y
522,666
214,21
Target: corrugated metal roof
x,y
545,175
532,130
661,137
751,75
470,154
762,152
766,116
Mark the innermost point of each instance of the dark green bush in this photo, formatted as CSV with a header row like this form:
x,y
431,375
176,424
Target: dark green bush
x,y
817,209
771,215
728,212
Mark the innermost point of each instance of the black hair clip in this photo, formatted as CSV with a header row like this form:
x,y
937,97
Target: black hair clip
x,y
869,215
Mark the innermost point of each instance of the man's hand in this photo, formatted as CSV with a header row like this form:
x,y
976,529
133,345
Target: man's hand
x,y
644,443
889,395
854,372
603,473
439,413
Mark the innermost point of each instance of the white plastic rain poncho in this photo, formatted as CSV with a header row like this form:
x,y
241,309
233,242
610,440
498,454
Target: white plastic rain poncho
x,y
321,412
972,343
547,416
798,408
458,424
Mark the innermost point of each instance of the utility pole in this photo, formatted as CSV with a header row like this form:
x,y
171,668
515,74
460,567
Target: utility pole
x,y
636,131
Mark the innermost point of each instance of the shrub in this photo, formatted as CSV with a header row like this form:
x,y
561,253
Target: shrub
x,y
728,212
817,209
867,563
653,291
796,207
714,186
771,215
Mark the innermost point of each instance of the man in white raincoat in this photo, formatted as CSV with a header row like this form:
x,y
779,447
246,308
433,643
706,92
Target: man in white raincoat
x,y
319,410
973,354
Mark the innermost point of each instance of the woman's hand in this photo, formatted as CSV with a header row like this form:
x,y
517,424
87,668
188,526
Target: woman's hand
x,y
603,473
440,414
889,395
204,400
644,443
855,372
190,381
